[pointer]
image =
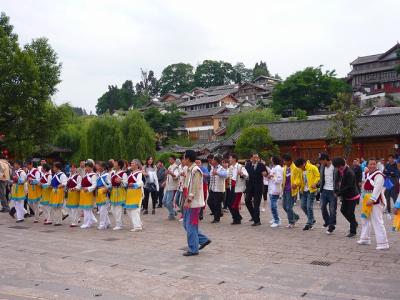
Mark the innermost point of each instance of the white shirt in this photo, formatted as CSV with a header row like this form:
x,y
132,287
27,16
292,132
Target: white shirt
x,y
306,189
275,182
328,185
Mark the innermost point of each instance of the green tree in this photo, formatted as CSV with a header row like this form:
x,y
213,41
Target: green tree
x,y
300,114
310,90
110,101
177,78
344,122
149,85
28,79
214,73
138,138
247,119
255,140
243,74
260,69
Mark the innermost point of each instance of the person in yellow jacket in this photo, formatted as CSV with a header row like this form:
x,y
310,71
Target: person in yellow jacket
x,y
290,187
308,189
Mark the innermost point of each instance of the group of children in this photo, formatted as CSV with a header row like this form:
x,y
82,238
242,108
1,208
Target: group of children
x,y
109,186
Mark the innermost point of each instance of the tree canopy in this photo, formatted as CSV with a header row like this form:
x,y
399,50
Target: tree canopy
x,y
28,78
310,89
247,119
255,140
214,73
177,78
260,69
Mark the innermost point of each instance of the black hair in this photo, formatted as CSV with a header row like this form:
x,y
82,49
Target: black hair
x,y
324,156
234,156
287,157
391,156
147,161
121,164
338,162
299,162
57,165
89,164
276,160
46,167
372,158
18,162
210,156
173,157
191,155
217,158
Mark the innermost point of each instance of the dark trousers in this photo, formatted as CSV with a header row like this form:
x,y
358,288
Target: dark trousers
x,y
265,192
233,206
347,209
160,196
328,199
3,194
214,202
392,193
253,201
146,199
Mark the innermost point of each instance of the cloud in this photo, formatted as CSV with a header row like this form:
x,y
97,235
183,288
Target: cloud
x,y
106,42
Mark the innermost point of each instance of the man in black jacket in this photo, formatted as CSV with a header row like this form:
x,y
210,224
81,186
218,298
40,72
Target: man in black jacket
x,y
254,187
347,189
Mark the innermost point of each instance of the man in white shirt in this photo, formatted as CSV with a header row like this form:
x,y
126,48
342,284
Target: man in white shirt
x,y
217,187
171,187
328,197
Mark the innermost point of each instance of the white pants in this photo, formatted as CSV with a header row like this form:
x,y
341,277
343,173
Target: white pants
x,y
74,214
88,217
104,218
376,221
134,215
56,215
117,214
46,212
35,208
19,209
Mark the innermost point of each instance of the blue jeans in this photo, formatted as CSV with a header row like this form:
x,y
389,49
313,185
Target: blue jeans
x,y
274,207
168,202
191,225
307,205
328,198
288,203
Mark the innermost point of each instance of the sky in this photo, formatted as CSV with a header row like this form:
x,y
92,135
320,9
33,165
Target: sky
x,y
103,42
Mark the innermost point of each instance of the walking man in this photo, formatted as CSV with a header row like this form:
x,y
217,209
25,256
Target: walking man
x,y
308,189
193,198
162,178
392,173
328,197
217,187
347,189
171,186
257,171
290,184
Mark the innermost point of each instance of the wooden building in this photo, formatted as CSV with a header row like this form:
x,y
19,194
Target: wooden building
x,y
378,136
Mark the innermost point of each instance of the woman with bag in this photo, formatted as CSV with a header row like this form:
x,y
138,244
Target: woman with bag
x,y
151,186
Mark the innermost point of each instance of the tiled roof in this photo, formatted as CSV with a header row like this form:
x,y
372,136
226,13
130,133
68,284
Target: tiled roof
x,y
365,59
372,70
203,112
370,126
203,100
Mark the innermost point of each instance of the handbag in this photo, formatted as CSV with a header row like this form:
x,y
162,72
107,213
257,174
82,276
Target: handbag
x,y
152,187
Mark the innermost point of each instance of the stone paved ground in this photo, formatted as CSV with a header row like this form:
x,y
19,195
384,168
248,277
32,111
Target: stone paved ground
x,y
41,262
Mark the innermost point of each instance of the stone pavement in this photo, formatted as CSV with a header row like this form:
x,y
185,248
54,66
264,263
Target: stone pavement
x,y
243,262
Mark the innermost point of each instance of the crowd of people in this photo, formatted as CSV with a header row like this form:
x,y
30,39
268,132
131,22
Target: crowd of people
x,y
57,193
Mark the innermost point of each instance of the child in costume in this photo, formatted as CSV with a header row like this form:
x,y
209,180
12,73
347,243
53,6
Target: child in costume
x,y
45,182
58,184
34,189
103,184
88,186
119,181
134,195
18,190
73,195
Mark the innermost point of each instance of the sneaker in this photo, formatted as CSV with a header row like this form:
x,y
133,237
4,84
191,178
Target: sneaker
x,y
263,209
136,229
330,230
382,247
350,235
307,227
117,228
274,225
290,226
325,225
363,242
101,227
84,226
181,220
272,221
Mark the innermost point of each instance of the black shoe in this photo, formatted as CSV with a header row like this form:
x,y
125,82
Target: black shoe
x,y
145,212
325,225
153,212
331,229
211,214
214,222
202,246
4,210
351,235
57,224
19,221
314,222
296,217
11,214
64,217
201,218
159,206
236,223
190,253
256,224
307,227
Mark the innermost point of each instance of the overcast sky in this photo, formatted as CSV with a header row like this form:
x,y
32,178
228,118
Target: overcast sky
x,y
106,42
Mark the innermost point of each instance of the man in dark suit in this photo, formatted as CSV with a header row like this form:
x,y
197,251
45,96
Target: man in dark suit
x,y
254,187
